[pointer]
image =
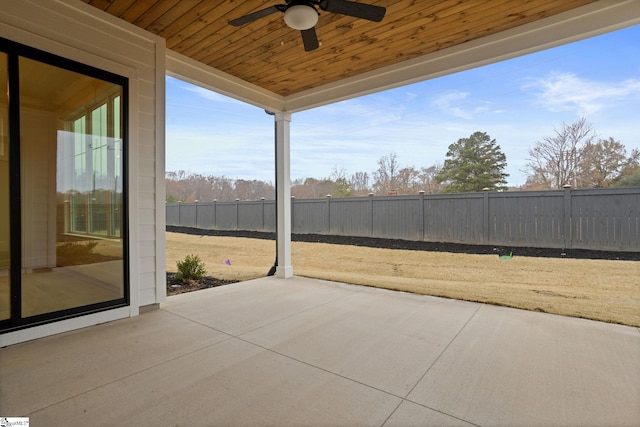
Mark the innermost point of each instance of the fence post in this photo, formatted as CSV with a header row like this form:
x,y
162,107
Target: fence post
x,y
237,214
215,214
293,204
485,215
421,210
197,225
179,213
370,214
328,197
566,218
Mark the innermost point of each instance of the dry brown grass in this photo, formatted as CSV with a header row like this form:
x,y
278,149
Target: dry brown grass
x,y
594,289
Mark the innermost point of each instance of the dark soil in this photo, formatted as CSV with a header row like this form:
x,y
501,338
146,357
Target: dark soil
x,y
373,242
176,286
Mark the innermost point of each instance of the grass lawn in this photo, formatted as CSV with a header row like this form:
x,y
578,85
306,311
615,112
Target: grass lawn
x,y
594,289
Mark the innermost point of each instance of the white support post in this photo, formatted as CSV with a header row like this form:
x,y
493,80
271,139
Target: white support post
x,y
283,184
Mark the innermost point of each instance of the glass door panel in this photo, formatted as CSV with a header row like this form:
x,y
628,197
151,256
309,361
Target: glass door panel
x,y
71,165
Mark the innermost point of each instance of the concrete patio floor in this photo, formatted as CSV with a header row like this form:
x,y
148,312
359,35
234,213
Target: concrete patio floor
x,y
304,352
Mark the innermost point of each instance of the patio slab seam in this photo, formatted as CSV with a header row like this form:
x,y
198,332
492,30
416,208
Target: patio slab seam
x,y
130,374
327,371
444,350
405,398
440,411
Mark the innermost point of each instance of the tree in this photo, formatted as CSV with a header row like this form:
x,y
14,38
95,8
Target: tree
x,y
385,178
558,160
630,174
427,179
200,188
407,180
222,188
174,186
253,190
603,163
341,186
473,164
171,199
311,188
360,183
630,179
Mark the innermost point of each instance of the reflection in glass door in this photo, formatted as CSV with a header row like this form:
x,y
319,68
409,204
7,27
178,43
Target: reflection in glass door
x,y
63,245
68,153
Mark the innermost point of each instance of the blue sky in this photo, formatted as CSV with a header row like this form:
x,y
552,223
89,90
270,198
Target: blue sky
x,y
517,102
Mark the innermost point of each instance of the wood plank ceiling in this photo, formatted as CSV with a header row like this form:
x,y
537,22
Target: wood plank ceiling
x,y
269,54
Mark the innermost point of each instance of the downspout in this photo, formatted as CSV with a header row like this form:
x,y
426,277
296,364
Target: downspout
x,y
272,270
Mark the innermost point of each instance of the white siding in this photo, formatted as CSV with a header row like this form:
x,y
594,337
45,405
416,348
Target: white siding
x,y
77,31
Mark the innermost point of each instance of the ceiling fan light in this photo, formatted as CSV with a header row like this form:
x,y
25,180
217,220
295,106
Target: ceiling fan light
x,y
301,17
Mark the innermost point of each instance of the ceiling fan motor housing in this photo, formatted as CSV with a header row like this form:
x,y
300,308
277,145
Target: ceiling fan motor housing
x,y
301,16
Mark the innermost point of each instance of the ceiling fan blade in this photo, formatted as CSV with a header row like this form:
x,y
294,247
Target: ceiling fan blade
x,y
358,10
255,15
310,39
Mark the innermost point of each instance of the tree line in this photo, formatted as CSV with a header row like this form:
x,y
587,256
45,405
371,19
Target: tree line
x,y
182,186
572,156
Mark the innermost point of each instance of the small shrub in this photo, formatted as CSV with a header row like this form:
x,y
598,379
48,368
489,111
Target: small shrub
x,y
191,269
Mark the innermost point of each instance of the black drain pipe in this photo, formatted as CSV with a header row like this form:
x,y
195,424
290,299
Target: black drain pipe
x,y
273,268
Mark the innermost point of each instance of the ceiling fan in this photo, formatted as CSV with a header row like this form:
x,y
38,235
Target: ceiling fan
x,y
303,15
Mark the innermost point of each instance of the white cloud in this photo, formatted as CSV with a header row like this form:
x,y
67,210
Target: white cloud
x,y
354,114
567,92
452,102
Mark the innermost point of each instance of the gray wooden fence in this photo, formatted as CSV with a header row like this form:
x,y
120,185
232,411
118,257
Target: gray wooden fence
x,y
603,219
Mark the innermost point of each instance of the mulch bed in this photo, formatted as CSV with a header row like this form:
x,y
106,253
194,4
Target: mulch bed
x,y
375,242
176,286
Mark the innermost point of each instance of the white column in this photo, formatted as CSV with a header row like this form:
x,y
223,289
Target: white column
x,y
283,183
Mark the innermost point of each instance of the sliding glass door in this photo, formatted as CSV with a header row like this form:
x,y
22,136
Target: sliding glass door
x,y
66,246
5,228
